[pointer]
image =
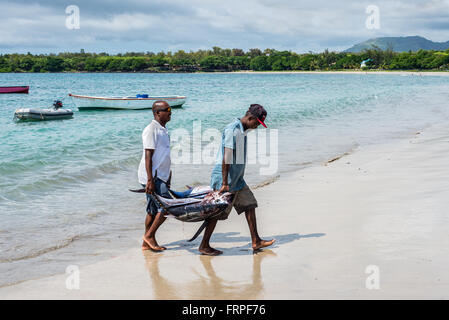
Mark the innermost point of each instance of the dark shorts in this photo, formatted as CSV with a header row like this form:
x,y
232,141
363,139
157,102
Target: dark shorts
x,y
160,189
244,200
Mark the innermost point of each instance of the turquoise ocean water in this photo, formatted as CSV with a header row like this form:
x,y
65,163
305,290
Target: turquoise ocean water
x,y
63,184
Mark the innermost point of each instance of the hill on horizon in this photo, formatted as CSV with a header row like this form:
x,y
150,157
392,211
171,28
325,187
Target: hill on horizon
x,y
400,44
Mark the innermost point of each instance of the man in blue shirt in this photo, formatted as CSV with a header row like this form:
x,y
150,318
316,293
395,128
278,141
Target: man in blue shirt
x,y
227,176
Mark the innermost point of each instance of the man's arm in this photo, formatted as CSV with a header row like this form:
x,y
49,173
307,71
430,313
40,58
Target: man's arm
x,y
149,188
225,165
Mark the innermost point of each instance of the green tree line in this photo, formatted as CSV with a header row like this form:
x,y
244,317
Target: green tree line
x,y
219,59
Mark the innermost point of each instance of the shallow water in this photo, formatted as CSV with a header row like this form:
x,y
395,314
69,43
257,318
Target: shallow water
x,y
63,185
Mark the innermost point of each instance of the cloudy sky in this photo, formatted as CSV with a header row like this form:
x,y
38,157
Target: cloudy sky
x,y
169,25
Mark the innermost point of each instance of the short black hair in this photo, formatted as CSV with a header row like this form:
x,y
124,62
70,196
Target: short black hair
x,y
158,105
256,110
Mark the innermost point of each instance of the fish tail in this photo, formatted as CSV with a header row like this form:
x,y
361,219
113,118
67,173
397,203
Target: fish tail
x,y
204,225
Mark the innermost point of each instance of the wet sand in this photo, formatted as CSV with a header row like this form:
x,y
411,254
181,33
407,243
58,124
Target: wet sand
x,y
398,72
379,211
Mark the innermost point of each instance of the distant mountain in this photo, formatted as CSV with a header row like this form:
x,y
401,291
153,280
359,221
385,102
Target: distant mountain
x,y
400,44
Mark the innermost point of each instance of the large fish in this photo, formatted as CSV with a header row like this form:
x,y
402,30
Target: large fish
x,y
193,205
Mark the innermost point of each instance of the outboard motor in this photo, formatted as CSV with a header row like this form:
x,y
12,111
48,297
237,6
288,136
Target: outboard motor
x,y
57,104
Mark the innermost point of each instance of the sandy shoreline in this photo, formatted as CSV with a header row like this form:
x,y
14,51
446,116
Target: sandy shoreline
x,y
411,73
381,207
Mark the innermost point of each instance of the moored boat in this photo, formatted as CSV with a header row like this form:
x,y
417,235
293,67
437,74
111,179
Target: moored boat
x,y
55,113
16,89
140,101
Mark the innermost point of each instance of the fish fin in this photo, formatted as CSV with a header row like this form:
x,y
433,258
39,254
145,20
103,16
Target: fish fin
x,y
171,193
204,225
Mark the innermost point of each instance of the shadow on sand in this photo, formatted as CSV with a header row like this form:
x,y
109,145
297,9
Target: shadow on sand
x,y
204,283
234,237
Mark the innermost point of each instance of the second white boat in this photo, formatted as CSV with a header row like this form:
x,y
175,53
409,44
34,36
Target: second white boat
x,y
140,101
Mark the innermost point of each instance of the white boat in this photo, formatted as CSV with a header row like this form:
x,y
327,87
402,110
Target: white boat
x,y
140,101
55,113
28,114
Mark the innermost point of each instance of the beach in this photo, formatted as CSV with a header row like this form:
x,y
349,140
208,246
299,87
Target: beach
x,y
361,72
372,224
65,183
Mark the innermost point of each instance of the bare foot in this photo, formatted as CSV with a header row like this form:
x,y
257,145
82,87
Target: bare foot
x,y
145,246
210,251
153,245
262,244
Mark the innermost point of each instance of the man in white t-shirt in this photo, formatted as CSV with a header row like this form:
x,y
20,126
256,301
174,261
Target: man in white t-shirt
x,y
154,171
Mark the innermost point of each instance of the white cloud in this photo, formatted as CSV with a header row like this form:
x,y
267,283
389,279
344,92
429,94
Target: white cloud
x,y
122,22
116,26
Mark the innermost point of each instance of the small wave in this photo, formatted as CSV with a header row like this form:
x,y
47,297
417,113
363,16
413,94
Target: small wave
x,y
266,182
21,165
96,214
347,153
337,158
304,164
40,252
60,177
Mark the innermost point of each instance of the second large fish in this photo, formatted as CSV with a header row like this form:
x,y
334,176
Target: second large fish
x,y
195,207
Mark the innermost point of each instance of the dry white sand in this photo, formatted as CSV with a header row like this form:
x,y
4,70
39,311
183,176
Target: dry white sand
x,y
403,73
383,208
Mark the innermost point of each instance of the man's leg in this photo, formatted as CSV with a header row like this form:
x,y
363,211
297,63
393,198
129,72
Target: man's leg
x,y
205,247
257,242
150,216
148,222
157,218
150,237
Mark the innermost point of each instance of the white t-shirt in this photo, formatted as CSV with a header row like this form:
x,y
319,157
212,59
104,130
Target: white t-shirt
x,y
156,137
